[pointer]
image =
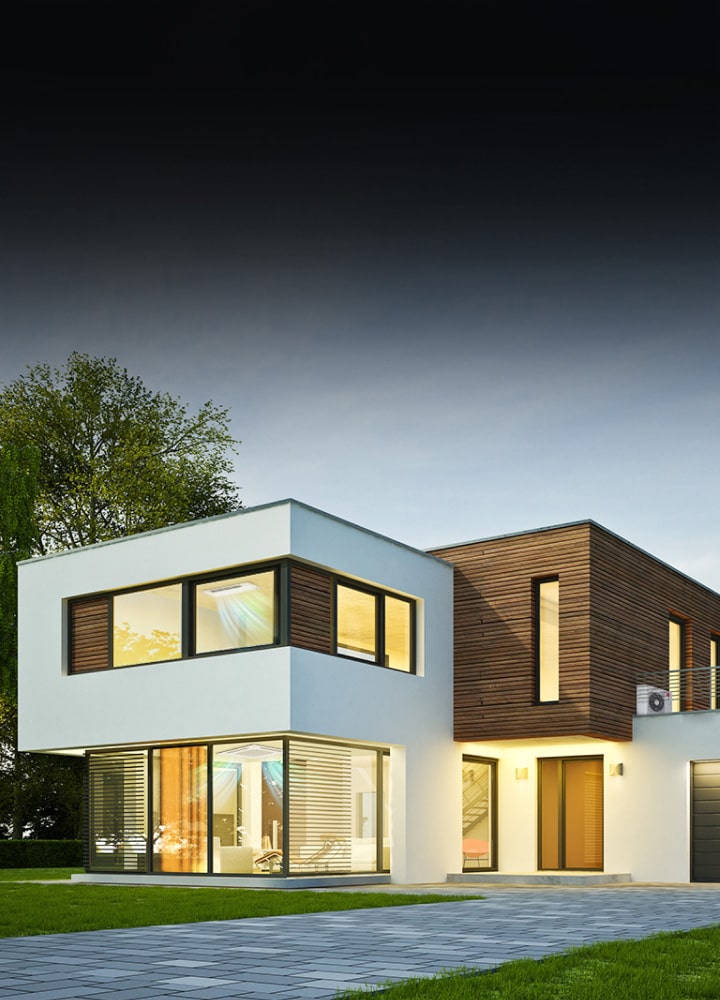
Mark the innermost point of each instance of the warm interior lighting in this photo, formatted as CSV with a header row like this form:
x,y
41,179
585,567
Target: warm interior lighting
x,y
521,774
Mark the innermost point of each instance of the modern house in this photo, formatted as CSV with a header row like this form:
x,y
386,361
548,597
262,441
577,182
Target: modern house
x,y
276,696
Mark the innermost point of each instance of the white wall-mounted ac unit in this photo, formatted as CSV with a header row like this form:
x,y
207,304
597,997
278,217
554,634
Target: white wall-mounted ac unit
x,y
653,700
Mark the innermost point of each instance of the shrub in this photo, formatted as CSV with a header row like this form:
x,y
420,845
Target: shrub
x,y
41,853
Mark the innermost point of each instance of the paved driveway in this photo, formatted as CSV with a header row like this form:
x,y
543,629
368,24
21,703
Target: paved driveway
x,y
312,955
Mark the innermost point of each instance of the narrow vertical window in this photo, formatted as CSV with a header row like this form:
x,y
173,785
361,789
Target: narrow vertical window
x,y
676,657
547,625
714,663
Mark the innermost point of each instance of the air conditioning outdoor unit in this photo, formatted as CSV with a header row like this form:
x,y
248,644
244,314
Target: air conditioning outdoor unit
x,y
653,701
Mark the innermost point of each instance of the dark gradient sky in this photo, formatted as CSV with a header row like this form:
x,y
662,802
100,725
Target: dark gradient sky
x,y
454,271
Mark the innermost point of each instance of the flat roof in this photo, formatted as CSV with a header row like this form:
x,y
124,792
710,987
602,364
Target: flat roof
x,y
577,524
288,501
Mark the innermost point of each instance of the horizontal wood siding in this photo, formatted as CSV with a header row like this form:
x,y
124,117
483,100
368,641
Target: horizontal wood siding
x,y
495,695
615,602
633,596
311,609
89,634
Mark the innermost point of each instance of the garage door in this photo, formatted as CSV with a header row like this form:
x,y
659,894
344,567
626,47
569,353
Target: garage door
x,y
706,822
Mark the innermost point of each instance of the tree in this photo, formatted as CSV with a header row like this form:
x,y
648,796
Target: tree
x,y
115,457
88,453
19,470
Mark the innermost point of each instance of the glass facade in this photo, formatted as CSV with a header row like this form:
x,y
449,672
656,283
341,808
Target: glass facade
x,y
147,625
248,807
179,809
261,807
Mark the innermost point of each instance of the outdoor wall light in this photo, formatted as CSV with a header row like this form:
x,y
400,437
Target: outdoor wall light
x,y
521,773
616,770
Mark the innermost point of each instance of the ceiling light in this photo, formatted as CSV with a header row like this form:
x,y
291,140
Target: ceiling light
x,y
232,588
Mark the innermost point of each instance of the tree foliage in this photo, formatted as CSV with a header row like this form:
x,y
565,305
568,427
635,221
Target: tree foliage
x,y
115,457
19,469
88,453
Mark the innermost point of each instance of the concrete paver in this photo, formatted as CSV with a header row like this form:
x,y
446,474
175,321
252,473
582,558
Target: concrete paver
x,y
312,956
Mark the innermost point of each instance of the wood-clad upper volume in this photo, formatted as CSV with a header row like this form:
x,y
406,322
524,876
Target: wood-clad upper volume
x,y
615,601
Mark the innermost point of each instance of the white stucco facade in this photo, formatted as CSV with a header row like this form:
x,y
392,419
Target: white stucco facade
x,y
282,689
287,690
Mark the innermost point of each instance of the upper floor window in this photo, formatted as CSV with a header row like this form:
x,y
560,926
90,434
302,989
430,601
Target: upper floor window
x,y
676,660
375,626
235,612
547,639
147,625
245,608
714,663
174,620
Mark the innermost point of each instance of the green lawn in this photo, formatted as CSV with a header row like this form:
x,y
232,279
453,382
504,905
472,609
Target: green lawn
x,y
36,874
678,966
31,908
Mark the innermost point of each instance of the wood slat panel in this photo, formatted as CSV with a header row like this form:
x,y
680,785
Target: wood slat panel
x,y
311,608
89,634
494,634
615,601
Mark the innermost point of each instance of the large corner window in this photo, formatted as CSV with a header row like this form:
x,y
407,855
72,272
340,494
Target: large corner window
x,y
182,618
235,612
374,626
147,625
547,635
269,806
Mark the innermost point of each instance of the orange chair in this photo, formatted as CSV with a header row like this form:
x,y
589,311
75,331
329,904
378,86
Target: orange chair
x,y
474,850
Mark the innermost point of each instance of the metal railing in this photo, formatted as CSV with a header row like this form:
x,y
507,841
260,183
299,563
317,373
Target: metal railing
x,y
661,692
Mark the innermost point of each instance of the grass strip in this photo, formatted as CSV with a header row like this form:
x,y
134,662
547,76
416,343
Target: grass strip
x,y
27,908
683,965
36,874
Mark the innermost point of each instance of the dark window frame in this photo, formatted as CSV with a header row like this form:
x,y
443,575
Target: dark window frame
x,y
493,798
209,745
187,613
561,762
682,686
379,593
537,584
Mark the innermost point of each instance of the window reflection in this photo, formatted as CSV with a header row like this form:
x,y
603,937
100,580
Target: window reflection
x,y
147,625
180,809
235,613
